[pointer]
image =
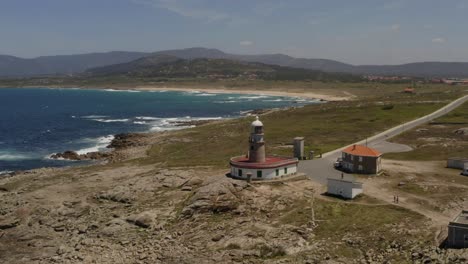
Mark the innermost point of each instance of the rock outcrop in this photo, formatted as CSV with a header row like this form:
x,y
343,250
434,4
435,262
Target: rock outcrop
x,y
126,140
222,195
72,155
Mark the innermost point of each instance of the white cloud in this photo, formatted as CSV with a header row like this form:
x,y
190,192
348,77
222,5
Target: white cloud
x,y
396,27
190,10
246,43
438,40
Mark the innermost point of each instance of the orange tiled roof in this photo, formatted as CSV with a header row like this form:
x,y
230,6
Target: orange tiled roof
x,y
359,150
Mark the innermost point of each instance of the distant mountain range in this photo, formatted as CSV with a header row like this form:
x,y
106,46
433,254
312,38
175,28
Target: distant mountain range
x,y
11,66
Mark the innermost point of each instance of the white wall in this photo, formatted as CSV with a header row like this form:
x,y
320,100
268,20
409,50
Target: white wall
x,y
266,173
345,189
456,163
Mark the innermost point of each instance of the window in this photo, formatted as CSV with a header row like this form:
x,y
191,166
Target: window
x,y
360,159
352,158
285,170
343,155
259,174
277,172
360,168
252,147
240,173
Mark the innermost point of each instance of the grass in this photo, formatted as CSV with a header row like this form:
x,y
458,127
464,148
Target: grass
x,y
341,218
437,140
324,126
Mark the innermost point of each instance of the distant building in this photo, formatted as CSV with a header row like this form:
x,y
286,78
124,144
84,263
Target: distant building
x,y
465,170
456,163
299,147
458,231
256,164
361,159
343,188
409,90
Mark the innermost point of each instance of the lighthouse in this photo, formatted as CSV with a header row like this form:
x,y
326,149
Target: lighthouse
x,y
256,142
257,165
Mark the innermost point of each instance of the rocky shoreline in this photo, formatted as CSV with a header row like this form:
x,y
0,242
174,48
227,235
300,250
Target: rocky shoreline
x,y
124,141
119,142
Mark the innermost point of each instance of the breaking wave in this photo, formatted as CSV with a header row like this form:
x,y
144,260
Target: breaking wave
x,y
110,120
101,144
14,156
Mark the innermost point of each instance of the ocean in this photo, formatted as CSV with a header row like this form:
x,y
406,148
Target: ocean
x,y
37,122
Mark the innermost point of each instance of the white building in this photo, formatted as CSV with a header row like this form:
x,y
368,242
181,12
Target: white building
x,y
256,164
344,188
465,169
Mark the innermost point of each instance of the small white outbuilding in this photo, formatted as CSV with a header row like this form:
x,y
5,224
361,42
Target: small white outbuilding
x,y
344,188
465,169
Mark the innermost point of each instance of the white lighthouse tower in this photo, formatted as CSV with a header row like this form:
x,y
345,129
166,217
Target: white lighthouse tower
x,y
256,142
258,166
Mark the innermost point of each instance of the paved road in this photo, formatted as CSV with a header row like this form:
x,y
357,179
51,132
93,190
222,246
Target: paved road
x,y
321,169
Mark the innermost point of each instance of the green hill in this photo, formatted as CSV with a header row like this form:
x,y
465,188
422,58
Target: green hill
x,y
167,66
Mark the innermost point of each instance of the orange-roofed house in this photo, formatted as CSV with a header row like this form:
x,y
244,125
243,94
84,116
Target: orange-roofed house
x,y
361,159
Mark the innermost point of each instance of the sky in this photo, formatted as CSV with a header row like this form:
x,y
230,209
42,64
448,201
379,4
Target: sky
x,y
351,31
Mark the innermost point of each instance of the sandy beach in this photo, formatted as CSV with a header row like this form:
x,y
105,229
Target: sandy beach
x,y
300,93
305,95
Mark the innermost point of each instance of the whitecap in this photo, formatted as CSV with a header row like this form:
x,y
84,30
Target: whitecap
x,y
115,90
101,144
206,94
207,118
253,97
139,122
12,156
147,118
93,116
225,102
274,100
163,128
110,120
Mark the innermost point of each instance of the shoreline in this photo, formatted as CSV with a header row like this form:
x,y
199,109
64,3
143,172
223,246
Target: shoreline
x,y
305,95
178,125
220,90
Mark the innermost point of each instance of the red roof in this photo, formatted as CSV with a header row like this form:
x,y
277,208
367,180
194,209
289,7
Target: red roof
x,y
359,150
270,162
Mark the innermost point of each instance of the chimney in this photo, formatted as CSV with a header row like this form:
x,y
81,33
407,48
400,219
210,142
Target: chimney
x,y
354,147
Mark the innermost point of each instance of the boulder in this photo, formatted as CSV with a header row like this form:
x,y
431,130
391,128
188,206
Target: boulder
x,y
96,155
220,195
461,131
144,219
119,194
68,155
126,140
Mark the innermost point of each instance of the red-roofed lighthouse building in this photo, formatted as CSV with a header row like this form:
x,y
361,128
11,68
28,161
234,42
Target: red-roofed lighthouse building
x,y
257,164
361,159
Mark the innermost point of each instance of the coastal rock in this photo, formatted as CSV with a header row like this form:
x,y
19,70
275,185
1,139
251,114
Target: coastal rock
x,y
461,131
72,155
219,196
126,140
119,194
96,155
144,219
68,155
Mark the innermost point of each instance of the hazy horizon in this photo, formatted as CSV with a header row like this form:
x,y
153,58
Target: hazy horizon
x,y
359,32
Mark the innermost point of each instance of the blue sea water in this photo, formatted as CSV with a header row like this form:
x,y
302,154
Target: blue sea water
x,y
36,122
